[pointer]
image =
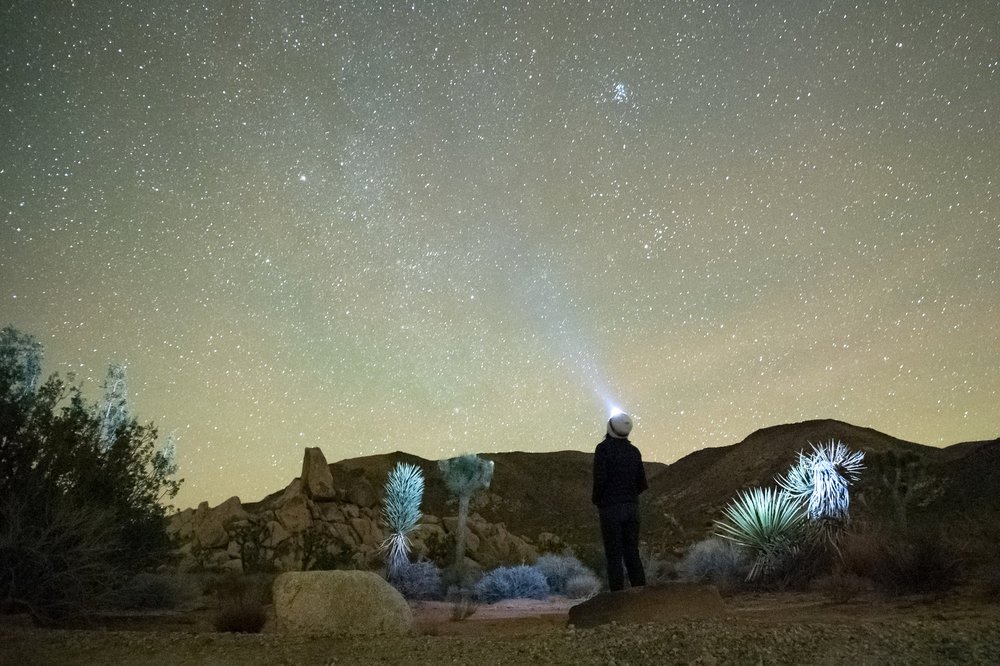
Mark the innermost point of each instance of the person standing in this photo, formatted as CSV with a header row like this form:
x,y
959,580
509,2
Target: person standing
x,y
619,478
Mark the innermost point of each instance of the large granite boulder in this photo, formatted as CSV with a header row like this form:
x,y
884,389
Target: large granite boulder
x,y
317,481
659,604
324,603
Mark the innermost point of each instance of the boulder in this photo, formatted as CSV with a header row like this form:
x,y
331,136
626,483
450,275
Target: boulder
x,y
294,514
360,491
324,603
329,512
367,531
276,534
660,604
210,524
317,481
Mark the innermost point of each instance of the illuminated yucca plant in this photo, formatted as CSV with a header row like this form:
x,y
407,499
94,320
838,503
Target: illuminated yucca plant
x,y
767,522
404,491
821,480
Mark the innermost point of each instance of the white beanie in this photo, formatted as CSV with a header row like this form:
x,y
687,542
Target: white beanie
x,y
620,425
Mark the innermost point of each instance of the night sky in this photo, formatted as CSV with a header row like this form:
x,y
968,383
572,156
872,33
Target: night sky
x,y
443,227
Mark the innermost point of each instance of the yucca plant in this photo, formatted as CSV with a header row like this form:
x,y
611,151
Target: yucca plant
x,y
822,478
768,523
404,491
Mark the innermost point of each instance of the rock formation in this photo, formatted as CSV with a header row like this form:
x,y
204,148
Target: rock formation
x,y
312,524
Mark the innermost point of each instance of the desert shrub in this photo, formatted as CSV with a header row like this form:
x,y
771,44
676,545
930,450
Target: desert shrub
x,y
923,564
57,560
241,605
153,591
657,569
903,563
583,586
520,582
715,561
559,570
418,580
842,586
463,604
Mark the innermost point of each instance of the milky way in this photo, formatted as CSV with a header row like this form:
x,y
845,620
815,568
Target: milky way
x,y
442,227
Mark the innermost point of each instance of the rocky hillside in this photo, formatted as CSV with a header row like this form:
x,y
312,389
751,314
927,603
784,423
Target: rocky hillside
x,y
541,501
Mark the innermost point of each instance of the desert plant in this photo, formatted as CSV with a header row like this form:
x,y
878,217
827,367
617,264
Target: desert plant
x,y
905,475
94,507
464,476
56,561
251,537
241,605
842,586
418,580
404,491
559,570
463,605
152,591
719,562
582,586
822,478
768,523
519,582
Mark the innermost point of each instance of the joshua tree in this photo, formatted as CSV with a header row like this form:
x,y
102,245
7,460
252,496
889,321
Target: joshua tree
x,y
905,475
401,512
464,476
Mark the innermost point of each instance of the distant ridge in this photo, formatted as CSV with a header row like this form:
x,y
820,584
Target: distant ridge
x,y
534,493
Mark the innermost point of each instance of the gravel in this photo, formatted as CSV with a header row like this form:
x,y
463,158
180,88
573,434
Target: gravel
x,y
724,641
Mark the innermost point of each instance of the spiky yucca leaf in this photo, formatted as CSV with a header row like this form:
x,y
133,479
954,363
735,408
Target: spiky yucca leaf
x,y
404,491
821,479
765,521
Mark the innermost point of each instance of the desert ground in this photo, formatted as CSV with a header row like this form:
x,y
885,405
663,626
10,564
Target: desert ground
x,y
758,628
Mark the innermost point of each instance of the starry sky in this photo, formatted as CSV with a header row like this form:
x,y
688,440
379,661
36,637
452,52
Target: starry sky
x,y
443,227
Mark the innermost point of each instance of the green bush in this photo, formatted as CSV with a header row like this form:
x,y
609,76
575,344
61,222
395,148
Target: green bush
x,y
81,512
520,582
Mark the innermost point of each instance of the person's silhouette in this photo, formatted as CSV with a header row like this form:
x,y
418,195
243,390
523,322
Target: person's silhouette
x,y
619,477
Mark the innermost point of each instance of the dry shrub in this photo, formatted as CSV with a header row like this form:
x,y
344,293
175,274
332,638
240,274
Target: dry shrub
x,y
463,604
154,591
842,586
717,562
241,604
915,563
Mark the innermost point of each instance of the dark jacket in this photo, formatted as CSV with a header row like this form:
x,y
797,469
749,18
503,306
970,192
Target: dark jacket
x,y
619,476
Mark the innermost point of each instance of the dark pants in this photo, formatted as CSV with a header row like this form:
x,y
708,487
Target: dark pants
x,y
620,532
